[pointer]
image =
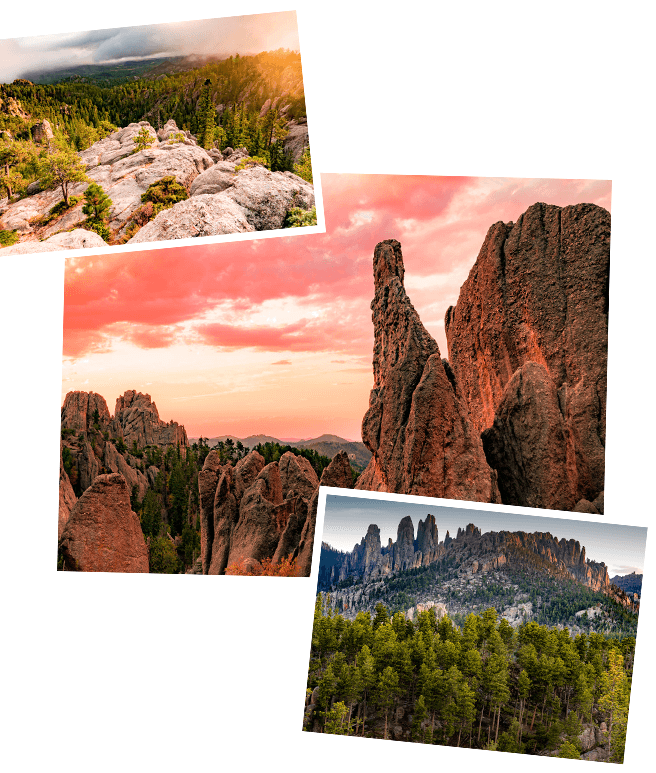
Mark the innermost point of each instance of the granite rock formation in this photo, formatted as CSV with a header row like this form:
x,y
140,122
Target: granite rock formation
x,y
136,419
223,201
526,373
91,434
102,533
417,426
538,294
254,511
471,551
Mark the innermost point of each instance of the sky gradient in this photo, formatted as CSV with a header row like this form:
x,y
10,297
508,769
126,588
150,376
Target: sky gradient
x,y
208,37
274,335
347,518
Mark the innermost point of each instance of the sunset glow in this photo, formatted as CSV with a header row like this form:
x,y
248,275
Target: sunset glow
x,y
274,336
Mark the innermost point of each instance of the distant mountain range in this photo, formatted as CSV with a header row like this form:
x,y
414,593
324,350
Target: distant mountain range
x,y
327,445
114,73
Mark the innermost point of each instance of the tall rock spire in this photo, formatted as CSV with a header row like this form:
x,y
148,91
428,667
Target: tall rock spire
x,y
417,426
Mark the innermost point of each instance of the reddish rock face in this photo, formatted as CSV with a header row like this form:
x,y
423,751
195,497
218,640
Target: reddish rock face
x,y
538,293
417,426
337,475
102,533
79,410
136,419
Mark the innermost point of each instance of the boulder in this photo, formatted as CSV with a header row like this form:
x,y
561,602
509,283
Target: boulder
x,y
527,443
42,132
102,533
417,425
213,180
77,239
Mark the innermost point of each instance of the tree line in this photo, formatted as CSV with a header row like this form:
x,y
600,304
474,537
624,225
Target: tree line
x,y
482,685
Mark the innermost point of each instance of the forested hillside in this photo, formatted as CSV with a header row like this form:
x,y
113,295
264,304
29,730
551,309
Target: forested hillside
x,y
238,87
248,111
484,685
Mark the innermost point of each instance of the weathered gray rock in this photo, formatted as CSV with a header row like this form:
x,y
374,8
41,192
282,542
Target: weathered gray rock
x,y
42,132
213,180
114,461
296,141
136,419
77,239
205,215
80,410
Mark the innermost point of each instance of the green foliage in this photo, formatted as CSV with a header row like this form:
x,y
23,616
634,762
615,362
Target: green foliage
x,y
143,139
206,117
273,451
7,238
97,226
250,161
162,557
62,168
454,689
569,751
297,217
176,137
166,192
96,203
304,167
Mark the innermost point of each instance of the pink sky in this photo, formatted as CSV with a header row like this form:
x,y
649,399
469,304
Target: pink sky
x,y
274,336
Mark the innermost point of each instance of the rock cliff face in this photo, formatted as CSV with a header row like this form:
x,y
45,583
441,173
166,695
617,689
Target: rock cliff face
x,y
224,201
417,426
528,347
471,551
67,498
79,410
86,416
136,418
102,533
254,511
526,375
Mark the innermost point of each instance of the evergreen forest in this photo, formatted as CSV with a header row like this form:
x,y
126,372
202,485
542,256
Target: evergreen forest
x,y
481,684
247,101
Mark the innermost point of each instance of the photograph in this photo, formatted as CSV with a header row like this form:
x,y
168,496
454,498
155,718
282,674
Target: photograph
x,y
271,382
135,135
474,628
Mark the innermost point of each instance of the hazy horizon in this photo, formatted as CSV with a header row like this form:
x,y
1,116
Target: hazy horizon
x,y
243,35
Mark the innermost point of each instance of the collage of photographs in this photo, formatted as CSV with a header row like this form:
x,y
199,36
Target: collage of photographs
x,y
303,337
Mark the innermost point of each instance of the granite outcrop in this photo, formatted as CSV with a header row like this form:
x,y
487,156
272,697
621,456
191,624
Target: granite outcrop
x,y
227,198
517,413
255,511
417,426
102,534
471,551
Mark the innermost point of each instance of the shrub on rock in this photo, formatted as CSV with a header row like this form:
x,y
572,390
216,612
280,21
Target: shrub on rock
x,y
167,191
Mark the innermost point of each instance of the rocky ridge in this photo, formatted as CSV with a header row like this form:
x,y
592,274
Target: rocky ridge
x,y
222,201
471,551
517,413
91,434
252,511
